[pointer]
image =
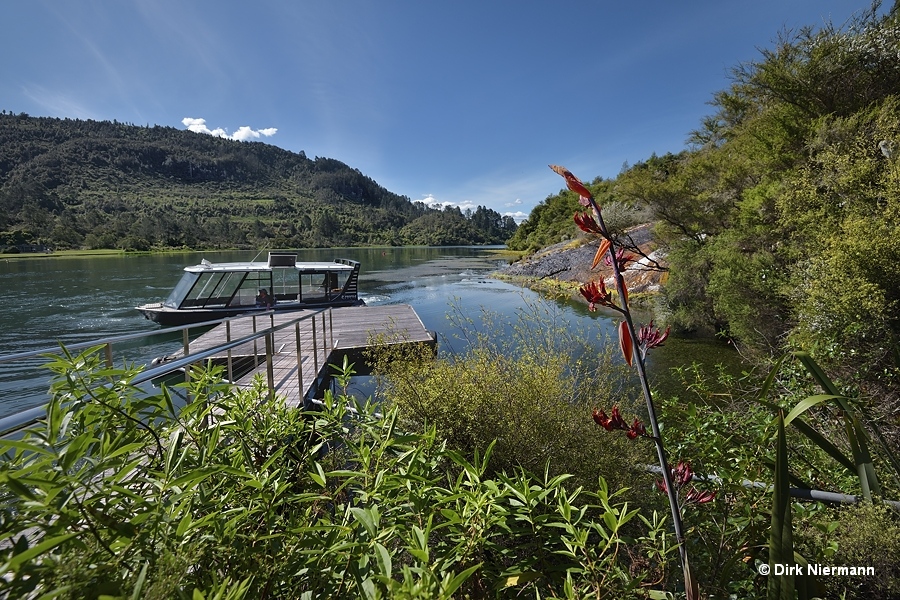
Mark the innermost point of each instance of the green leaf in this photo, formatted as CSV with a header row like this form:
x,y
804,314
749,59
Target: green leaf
x,y
823,443
384,559
781,544
460,579
770,379
364,518
5,445
817,373
139,584
319,476
183,525
18,560
194,477
806,404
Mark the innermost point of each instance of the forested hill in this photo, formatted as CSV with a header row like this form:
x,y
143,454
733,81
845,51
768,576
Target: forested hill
x,y
98,184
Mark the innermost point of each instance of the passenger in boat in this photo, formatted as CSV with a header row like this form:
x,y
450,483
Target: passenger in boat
x,y
264,300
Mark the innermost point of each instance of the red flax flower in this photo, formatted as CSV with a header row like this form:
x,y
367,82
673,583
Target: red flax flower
x,y
681,476
615,421
622,259
651,337
695,496
596,293
587,223
637,429
574,184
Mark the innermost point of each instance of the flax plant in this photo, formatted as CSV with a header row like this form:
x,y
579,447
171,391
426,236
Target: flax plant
x,y
634,353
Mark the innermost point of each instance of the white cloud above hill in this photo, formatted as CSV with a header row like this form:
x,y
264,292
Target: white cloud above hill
x,y
243,134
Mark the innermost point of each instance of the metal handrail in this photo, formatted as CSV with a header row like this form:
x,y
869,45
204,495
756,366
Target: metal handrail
x,y
125,337
18,421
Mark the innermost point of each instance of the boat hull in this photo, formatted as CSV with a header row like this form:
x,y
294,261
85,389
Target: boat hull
x,y
169,317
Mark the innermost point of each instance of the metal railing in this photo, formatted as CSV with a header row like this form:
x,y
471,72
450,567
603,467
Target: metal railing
x,y
322,341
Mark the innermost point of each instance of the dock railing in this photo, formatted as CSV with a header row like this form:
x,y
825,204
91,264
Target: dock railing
x,y
320,342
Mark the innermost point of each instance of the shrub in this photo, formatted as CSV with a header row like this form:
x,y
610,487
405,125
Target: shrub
x,y
527,385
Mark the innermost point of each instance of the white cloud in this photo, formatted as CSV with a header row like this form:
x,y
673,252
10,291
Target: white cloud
x,y
516,202
517,216
430,200
242,134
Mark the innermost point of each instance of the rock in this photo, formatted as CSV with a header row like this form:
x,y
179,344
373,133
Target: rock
x,y
571,262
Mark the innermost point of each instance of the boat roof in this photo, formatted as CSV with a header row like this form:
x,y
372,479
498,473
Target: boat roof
x,y
207,266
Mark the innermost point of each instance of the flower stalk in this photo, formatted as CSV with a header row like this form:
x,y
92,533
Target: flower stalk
x,y
634,353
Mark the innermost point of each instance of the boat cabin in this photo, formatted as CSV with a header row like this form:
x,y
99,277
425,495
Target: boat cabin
x,y
214,290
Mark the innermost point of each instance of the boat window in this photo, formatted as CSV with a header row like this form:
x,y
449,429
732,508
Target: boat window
x,y
202,294
285,284
223,293
339,281
250,286
181,289
313,287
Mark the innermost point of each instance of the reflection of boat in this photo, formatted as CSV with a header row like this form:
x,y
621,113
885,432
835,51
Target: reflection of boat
x,y
216,290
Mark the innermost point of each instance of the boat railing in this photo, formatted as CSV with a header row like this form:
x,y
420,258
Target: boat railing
x,y
322,339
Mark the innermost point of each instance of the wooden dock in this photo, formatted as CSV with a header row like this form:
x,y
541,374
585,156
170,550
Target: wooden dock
x,y
313,343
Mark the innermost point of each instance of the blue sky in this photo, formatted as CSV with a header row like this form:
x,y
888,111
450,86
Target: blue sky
x,y
456,102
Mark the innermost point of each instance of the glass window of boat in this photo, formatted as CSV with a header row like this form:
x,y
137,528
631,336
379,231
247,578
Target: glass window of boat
x,y
313,286
181,290
250,286
285,284
323,285
212,289
338,281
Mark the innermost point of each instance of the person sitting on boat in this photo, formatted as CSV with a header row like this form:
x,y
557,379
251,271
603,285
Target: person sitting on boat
x,y
264,300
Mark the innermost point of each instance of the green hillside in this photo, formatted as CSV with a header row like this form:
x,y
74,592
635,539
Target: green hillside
x,y
98,184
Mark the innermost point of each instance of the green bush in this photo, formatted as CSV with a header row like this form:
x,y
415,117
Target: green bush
x,y
527,385
865,535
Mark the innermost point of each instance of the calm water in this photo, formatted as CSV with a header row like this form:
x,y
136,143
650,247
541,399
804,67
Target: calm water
x,y
52,300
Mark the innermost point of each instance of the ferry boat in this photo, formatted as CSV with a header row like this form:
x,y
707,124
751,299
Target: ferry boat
x,y
210,291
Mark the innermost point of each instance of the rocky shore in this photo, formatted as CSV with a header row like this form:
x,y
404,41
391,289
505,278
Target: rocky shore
x,y
570,262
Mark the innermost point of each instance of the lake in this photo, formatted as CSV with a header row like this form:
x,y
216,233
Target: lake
x,y
51,300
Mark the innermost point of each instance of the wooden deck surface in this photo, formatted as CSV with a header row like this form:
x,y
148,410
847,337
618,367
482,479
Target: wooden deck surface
x,y
320,337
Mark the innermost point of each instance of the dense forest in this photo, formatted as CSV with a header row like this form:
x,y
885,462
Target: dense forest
x,y
97,184
780,220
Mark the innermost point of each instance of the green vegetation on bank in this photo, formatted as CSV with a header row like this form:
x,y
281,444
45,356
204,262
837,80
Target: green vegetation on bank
x,y
780,222
97,184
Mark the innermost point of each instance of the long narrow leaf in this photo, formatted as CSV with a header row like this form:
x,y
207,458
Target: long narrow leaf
x,y
817,373
865,468
770,380
459,580
19,559
781,543
822,442
806,404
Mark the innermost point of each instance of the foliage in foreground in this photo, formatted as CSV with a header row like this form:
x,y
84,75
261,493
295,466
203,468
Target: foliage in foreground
x,y
122,494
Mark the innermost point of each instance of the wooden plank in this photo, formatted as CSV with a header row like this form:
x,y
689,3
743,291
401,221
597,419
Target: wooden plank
x,y
345,329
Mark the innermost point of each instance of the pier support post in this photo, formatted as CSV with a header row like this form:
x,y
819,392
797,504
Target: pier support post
x,y
315,346
299,359
270,374
228,339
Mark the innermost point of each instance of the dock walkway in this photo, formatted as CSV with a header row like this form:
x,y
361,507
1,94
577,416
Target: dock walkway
x,y
314,343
